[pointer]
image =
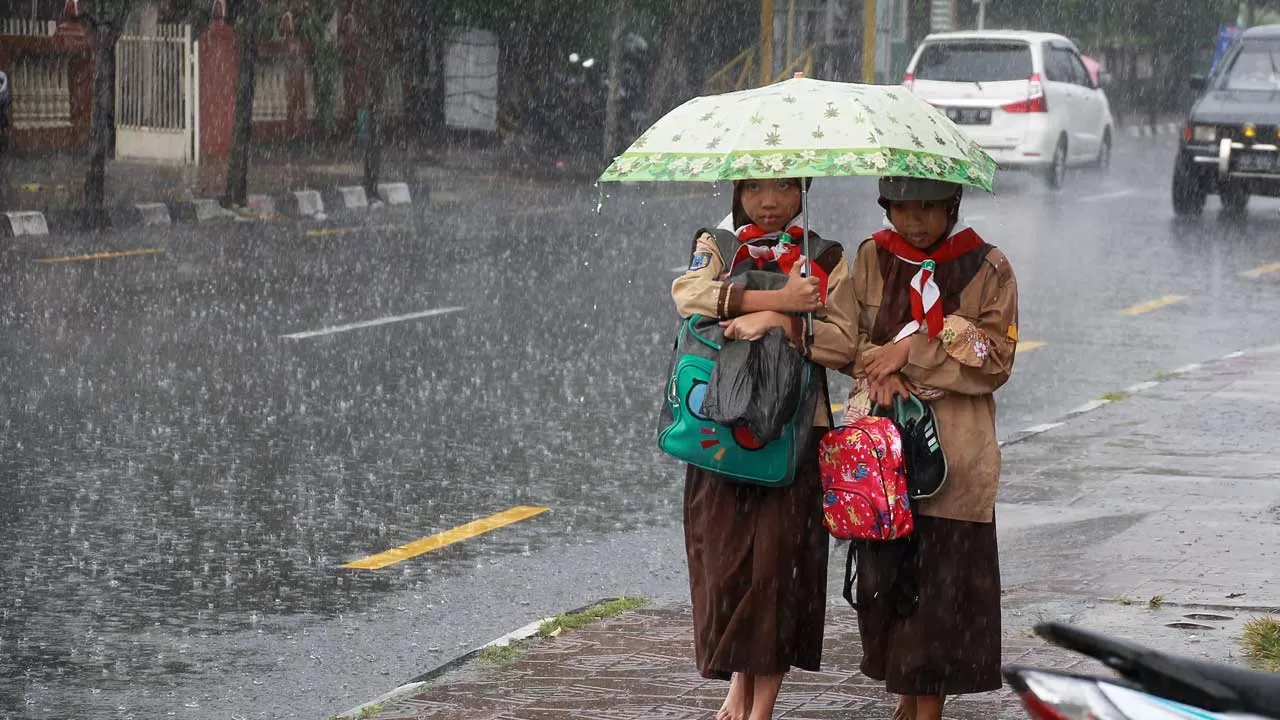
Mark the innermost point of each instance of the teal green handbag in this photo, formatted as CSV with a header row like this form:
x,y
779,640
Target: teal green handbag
x,y
686,435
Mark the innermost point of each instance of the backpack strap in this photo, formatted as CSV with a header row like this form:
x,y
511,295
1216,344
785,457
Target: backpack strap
x,y
726,244
851,574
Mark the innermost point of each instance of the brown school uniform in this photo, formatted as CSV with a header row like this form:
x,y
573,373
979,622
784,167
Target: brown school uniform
x,y
758,555
949,642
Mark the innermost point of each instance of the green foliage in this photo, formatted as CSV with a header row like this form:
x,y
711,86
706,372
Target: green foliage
x,y
1166,27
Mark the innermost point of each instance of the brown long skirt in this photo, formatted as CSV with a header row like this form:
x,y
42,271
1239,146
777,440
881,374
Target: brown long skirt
x,y
757,571
943,638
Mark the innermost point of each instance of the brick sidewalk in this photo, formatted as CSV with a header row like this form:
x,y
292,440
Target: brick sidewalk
x,y
639,666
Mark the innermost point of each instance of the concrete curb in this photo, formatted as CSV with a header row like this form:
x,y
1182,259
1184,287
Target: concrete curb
x,y
1134,389
21,224
304,204
421,681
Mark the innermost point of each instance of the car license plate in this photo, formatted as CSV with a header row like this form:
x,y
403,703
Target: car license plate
x,y
969,116
1259,162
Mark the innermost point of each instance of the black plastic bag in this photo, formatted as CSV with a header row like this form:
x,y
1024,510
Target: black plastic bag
x,y
756,383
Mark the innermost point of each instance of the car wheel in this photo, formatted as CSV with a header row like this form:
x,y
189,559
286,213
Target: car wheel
x,y
1235,199
1103,163
1057,171
1189,191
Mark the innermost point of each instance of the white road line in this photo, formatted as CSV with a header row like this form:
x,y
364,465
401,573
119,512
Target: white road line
x,y
1141,387
1108,196
1046,427
370,323
682,269
1185,369
1089,407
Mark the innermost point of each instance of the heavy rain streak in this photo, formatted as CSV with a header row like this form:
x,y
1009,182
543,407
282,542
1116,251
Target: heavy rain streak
x,y
339,338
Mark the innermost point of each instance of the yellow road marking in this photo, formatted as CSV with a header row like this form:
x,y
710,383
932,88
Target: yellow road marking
x,y
1261,270
326,232
1027,345
100,256
1153,305
448,537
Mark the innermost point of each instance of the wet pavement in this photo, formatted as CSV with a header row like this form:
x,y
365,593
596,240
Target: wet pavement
x,y
195,440
1134,501
637,667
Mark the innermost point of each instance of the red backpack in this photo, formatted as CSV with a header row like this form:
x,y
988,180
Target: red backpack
x,y
864,482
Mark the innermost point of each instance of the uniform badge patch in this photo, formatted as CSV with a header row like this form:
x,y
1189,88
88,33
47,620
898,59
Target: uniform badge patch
x,y
1013,333
700,261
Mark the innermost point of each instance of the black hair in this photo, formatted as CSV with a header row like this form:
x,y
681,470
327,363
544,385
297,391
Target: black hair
x,y
740,216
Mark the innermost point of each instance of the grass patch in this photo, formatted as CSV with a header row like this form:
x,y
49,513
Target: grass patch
x,y
364,714
1124,600
500,654
1115,396
573,621
1156,602
1163,375
1261,640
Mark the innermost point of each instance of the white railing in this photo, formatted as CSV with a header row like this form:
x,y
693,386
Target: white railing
x,y
271,92
149,79
22,26
171,30
41,92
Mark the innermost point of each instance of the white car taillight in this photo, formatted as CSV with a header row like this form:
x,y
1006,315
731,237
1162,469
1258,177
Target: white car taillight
x,y
1036,101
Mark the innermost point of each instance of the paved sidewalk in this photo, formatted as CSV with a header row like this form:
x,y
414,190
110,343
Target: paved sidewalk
x,y
54,182
1155,518
638,666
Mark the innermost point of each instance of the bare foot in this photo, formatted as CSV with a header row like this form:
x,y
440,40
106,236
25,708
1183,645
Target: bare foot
x,y
906,709
737,704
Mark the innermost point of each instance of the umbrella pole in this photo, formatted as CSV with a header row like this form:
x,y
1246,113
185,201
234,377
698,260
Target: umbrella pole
x,y
807,269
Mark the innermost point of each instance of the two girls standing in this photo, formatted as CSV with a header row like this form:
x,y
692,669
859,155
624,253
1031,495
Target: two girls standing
x,y
926,308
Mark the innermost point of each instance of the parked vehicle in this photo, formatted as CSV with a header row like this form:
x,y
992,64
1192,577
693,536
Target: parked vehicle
x,y
1231,142
1152,685
1025,97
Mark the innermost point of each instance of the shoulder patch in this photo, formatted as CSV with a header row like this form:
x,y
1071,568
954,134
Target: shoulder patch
x,y
700,260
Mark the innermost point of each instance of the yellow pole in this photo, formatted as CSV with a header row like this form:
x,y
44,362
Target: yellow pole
x,y
869,41
766,42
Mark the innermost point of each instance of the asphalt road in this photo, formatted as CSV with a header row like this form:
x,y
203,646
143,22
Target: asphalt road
x,y
202,425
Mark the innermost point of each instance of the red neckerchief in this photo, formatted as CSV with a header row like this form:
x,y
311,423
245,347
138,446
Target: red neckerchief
x,y
784,255
926,298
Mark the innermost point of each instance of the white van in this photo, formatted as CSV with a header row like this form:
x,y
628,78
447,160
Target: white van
x,y
1025,97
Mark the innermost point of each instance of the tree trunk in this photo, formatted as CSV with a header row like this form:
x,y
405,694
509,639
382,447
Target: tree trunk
x,y
430,42
237,192
102,124
613,104
373,148
670,83
376,83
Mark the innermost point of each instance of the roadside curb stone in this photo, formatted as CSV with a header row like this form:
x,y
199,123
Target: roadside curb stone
x,y
307,204
24,223
394,193
353,198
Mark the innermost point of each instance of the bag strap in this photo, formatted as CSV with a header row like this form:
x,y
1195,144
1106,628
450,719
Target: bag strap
x,y
688,327
850,573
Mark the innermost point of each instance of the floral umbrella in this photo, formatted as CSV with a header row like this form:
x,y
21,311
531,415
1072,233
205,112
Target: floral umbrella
x,y
804,128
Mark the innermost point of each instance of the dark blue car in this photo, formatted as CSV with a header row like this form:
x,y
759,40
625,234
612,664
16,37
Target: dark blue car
x,y
1231,142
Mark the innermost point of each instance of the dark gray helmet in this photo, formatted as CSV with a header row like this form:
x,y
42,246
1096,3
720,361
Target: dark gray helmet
x,y
904,189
